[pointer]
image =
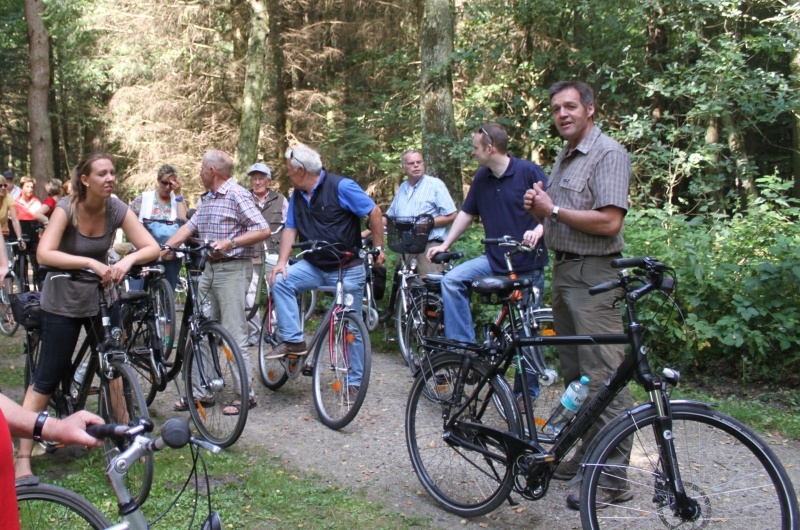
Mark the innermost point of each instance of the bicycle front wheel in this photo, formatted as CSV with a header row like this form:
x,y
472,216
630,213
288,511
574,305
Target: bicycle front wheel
x,y
461,479
422,320
45,506
122,402
336,397
215,376
164,300
732,477
11,287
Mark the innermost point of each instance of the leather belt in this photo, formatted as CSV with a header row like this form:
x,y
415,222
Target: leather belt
x,y
569,256
436,241
221,260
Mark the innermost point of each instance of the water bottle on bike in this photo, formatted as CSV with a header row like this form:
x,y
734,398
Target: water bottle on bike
x,y
571,400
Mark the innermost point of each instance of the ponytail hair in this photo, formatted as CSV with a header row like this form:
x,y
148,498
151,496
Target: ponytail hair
x,y
78,194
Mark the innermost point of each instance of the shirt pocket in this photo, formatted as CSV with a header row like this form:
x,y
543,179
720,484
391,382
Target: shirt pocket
x,y
576,182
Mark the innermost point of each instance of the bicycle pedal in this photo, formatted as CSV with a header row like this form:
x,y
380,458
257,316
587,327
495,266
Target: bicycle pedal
x,y
307,370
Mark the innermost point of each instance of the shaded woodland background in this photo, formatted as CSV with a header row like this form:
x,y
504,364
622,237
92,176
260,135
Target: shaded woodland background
x,y
703,94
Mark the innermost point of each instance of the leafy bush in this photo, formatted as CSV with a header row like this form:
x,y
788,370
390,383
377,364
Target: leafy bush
x,y
738,280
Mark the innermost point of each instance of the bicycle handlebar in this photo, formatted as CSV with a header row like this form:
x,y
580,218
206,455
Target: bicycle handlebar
x,y
174,434
443,257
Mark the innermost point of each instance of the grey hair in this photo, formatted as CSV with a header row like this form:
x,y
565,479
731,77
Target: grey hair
x,y
303,156
409,151
219,160
167,170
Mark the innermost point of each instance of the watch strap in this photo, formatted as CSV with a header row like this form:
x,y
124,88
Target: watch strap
x,y
39,425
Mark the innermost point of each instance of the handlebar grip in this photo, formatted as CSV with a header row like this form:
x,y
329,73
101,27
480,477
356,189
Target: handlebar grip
x,y
107,430
441,257
303,244
626,263
492,241
603,287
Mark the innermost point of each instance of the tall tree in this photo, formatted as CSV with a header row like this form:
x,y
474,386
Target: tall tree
x,y
253,93
796,127
438,123
38,117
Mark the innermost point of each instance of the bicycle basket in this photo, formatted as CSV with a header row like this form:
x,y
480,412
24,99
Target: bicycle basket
x,y
27,309
408,235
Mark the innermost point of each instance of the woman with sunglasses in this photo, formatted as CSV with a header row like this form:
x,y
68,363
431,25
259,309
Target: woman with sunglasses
x,y
163,211
8,210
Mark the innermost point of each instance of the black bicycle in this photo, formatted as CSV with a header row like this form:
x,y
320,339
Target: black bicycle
x,y
649,468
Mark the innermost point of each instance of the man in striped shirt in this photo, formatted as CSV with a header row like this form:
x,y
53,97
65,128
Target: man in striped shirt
x,y
423,194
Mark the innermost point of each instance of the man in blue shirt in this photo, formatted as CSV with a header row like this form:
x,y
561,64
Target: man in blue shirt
x,y
494,196
325,207
423,194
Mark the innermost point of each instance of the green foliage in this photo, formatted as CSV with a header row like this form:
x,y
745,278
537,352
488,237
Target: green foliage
x,y
738,281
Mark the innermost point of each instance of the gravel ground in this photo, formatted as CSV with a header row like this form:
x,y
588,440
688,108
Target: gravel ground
x,y
370,454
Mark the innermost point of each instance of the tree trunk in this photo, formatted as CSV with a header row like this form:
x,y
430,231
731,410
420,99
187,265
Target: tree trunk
x,y
281,84
438,123
796,128
253,93
746,179
38,116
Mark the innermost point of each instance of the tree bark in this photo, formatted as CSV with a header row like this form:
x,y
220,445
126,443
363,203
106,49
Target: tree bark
x,y
795,66
281,83
41,138
439,133
253,93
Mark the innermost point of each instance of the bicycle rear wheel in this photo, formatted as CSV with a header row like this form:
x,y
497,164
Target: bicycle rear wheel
x,y
462,480
423,319
732,475
33,347
214,380
161,293
122,402
45,506
272,371
336,404
11,287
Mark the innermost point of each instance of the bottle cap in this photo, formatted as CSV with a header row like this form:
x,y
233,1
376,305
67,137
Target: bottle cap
x,y
584,380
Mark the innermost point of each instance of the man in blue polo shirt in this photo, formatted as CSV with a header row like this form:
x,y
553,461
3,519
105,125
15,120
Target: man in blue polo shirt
x,y
325,207
494,196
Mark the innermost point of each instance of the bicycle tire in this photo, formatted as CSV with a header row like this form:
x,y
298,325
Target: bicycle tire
x,y
462,481
139,339
11,286
33,348
272,371
422,320
125,389
46,506
161,293
226,381
307,305
737,479
331,397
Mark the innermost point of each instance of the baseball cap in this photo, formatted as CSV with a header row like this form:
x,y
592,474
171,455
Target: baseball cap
x,y
9,174
261,168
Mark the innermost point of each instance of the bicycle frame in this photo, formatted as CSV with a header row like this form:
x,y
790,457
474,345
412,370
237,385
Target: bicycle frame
x,y
527,453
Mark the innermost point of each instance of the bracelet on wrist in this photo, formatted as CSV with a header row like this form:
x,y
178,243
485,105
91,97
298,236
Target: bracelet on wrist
x,y
39,425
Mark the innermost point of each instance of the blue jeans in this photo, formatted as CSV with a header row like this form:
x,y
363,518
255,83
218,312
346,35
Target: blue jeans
x,y
458,324
301,277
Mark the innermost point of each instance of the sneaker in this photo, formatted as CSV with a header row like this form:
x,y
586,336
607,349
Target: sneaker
x,y
567,470
605,498
288,348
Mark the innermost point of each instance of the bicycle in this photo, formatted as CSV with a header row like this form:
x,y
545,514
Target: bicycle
x,y
12,286
214,371
101,368
43,506
328,362
470,453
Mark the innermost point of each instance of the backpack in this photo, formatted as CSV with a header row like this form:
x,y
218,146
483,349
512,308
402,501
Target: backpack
x,y
27,309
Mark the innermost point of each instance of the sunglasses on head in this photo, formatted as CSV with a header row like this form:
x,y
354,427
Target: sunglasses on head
x,y
291,156
488,136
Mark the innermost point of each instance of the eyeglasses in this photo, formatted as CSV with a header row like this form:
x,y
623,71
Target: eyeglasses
x,y
258,178
164,182
292,157
489,136
3,185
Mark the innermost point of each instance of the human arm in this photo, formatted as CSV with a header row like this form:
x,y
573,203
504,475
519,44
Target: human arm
x,y
48,254
71,430
12,214
177,239
531,238
460,225
147,247
376,219
604,221
180,206
41,214
444,220
3,259
288,237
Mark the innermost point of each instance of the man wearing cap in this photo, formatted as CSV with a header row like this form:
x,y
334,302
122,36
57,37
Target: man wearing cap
x,y
14,190
273,207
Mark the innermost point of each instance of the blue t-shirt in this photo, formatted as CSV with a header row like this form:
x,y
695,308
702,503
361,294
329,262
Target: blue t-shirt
x,y
351,197
499,203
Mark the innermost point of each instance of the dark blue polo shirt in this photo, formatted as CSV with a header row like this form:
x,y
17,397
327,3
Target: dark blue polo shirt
x,y
499,203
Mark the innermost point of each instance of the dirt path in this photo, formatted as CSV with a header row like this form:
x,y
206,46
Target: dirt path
x,y
370,454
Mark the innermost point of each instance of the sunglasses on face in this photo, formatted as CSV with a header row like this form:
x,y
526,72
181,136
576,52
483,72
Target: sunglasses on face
x,y
3,185
164,182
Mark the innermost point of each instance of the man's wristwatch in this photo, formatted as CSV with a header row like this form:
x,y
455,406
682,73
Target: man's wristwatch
x,y
554,214
379,248
233,243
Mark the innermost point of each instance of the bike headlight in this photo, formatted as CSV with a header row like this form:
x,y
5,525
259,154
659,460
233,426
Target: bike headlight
x,y
348,299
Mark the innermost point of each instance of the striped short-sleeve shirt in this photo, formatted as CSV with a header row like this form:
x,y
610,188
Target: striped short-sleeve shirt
x,y
429,196
593,175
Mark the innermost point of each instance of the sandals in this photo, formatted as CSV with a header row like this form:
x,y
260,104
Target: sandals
x,y
182,406
234,407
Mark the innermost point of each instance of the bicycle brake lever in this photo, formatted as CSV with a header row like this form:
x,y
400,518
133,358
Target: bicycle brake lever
x,y
208,446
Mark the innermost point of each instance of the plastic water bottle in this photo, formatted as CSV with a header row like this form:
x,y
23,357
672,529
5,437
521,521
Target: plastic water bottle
x,y
571,400
77,379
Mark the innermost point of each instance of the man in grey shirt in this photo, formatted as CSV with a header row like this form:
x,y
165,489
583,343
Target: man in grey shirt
x,y
583,211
